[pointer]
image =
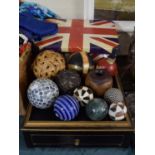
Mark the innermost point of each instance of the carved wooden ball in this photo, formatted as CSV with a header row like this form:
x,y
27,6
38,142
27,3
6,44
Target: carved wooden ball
x,y
47,64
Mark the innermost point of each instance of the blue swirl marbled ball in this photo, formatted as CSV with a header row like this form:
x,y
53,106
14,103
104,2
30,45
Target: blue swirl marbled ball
x,y
41,93
66,107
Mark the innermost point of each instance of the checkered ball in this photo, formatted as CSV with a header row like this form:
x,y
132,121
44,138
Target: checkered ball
x,y
117,111
84,95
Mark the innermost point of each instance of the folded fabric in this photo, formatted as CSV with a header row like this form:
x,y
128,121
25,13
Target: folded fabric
x,y
22,39
35,29
36,10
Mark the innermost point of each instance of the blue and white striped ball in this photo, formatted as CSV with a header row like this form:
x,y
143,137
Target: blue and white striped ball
x,y
66,107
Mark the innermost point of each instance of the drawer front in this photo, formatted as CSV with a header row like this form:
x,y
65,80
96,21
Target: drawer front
x,y
47,139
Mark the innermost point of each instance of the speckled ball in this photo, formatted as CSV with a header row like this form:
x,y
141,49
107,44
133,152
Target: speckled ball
x,y
97,109
113,95
67,81
66,107
41,93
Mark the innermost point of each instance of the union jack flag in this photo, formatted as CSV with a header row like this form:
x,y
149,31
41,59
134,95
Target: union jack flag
x,y
99,37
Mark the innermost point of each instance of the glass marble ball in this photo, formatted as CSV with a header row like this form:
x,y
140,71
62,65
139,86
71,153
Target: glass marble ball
x,y
66,107
41,93
97,109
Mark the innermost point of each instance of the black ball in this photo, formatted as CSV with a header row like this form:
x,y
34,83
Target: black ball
x,y
81,61
67,81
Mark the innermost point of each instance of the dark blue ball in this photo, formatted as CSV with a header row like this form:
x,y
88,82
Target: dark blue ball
x,y
66,107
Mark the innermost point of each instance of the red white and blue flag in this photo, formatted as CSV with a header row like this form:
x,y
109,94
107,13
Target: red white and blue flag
x,y
99,37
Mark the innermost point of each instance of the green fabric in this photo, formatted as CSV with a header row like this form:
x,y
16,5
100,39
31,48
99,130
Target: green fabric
x,y
23,150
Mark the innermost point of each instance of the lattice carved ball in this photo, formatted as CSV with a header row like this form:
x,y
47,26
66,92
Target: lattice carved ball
x,y
47,64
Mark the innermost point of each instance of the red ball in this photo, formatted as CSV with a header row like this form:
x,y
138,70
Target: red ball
x,y
111,68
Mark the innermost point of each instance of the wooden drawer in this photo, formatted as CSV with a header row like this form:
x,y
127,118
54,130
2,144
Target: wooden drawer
x,y
77,139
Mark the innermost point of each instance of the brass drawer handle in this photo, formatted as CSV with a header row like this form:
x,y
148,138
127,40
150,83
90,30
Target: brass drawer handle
x,y
77,142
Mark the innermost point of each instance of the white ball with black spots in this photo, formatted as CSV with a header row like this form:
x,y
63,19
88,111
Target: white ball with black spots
x,y
41,93
84,95
117,111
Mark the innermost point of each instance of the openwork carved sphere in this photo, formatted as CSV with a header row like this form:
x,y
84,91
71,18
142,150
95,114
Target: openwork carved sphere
x,y
47,64
66,107
42,93
97,109
113,95
83,94
117,111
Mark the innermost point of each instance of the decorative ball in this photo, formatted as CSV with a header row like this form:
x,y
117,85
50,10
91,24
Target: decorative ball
x,y
117,111
97,109
99,81
84,95
113,95
111,68
47,64
81,62
67,81
66,107
42,92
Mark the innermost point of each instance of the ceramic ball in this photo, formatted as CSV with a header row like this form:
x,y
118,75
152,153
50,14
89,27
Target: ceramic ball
x,y
47,64
110,67
81,62
67,81
97,109
66,107
84,95
117,111
42,92
113,95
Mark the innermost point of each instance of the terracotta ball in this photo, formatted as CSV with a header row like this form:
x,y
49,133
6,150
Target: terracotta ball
x,y
99,81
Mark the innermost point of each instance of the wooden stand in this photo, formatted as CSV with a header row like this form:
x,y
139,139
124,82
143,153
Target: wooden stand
x,y
42,128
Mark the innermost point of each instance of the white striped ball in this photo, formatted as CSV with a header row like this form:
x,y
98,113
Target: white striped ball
x,y
66,107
